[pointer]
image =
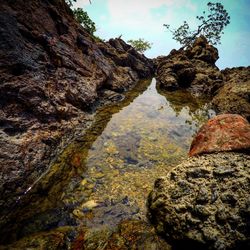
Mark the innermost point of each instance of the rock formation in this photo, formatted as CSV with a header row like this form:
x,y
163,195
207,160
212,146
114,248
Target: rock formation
x,y
204,202
234,96
51,74
227,132
193,68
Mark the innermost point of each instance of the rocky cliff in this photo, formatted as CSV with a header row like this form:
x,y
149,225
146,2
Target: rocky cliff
x,y
234,96
52,72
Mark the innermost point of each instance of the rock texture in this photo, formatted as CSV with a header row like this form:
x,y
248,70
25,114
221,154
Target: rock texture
x,y
129,234
204,203
234,96
227,132
193,68
51,74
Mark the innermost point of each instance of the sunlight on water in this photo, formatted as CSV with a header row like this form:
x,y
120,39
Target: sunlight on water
x,y
139,143
105,176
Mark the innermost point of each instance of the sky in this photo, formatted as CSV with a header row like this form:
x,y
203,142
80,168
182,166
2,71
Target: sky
x,y
135,19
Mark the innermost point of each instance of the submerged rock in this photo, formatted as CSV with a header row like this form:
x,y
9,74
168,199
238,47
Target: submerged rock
x,y
130,234
204,203
44,240
227,132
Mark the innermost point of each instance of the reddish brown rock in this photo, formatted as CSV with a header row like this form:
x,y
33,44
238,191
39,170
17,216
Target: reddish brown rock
x,y
227,132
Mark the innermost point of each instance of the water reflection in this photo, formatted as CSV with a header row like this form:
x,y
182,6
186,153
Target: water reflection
x,y
105,176
142,141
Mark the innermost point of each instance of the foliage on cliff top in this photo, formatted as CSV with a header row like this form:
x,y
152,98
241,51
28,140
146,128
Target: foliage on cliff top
x,y
82,17
140,44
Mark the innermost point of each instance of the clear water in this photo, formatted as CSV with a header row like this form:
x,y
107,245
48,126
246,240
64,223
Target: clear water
x,y
105,177
118,164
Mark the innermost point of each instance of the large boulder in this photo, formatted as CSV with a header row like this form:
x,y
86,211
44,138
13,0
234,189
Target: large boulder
x,y
204,203
227,132
234,96
192,68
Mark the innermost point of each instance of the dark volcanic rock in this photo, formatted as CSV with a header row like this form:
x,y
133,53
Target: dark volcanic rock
x,y
193,68
234,96
227,132
204,203
51,72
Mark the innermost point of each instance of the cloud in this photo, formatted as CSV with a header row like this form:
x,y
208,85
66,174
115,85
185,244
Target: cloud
x,y
139,19
81,3
145,16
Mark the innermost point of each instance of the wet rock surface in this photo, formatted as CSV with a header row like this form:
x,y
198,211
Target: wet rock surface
x,y
52,72
203,203
130,234
193,69
234,96
227,132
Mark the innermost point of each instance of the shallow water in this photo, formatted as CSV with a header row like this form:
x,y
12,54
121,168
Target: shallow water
x,y
105,176
140,143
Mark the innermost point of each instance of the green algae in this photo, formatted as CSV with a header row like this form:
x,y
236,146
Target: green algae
x,y
104,176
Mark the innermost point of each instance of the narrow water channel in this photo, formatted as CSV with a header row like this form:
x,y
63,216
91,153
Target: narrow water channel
x,y
105,176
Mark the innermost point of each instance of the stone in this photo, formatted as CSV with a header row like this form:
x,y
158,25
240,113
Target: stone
x,y
44,240
129,234
192,68
206,210
227,132
203,51
234,96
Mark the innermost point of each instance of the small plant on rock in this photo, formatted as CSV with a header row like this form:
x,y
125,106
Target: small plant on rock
x,y
140,44
212,24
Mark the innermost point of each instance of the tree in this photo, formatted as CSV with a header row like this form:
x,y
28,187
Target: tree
x,y
140,44
83,18
70,2
212,25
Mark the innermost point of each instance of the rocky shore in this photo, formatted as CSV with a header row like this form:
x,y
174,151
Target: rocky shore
x,y
194,69
53,74
203,203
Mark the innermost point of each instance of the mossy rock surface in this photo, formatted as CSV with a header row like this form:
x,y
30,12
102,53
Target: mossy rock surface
x,y
204,202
